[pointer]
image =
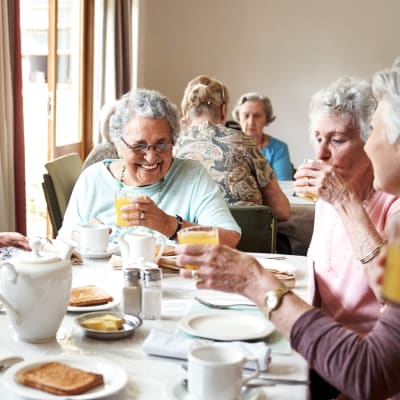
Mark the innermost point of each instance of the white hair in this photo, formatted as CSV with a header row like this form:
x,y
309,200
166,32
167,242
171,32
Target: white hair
x,y
345,97
386,89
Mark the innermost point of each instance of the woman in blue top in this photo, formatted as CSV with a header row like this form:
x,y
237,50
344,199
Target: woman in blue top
x,y
254,112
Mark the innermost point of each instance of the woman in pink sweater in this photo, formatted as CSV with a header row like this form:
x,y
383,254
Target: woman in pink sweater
x,y
360,366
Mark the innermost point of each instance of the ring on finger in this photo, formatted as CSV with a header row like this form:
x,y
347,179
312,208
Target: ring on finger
x,y
141,215
196,276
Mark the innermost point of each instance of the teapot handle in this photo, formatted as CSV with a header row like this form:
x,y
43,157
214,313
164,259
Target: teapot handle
x,y
162,247
12,279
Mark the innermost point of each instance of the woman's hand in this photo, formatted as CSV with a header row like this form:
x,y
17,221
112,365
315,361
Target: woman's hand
x,y
322,180
223,268
142,211
14,239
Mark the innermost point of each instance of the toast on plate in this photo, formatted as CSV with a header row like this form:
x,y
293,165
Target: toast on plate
x,y
88,296
59,378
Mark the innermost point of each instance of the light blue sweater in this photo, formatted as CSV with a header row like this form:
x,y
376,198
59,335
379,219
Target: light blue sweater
x,y
277,153
187,190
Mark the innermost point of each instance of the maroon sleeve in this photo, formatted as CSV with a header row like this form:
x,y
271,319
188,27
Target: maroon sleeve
x,y
361,367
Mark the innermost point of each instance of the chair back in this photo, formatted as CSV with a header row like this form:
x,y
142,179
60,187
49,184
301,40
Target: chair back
x,y
58,184
259,229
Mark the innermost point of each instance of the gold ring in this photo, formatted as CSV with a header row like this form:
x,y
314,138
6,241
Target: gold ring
x,y
196,276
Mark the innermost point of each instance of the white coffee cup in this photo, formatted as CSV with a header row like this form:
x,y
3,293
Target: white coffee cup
x,y
94,238
140,245
217,373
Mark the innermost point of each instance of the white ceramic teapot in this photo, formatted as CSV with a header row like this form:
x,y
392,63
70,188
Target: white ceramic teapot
x,y
140,245
35,290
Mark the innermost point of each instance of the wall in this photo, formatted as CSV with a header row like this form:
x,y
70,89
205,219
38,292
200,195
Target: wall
x,y
285,49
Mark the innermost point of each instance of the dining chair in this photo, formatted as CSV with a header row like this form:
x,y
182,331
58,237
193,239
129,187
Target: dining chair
x,y
258,225
58,184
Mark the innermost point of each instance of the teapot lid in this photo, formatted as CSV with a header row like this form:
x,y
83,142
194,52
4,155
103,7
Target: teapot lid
x,y
37,257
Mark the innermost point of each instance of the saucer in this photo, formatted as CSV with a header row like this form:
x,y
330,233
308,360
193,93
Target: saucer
x,y
112,249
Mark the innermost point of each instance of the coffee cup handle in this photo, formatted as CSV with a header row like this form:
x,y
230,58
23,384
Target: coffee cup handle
x,y
162,248
256,370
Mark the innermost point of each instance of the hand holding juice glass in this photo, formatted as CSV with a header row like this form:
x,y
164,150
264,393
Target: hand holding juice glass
x,y
391,277
308,195
198,235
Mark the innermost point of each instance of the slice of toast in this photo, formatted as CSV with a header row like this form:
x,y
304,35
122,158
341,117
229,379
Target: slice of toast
x,y
88,296
59,378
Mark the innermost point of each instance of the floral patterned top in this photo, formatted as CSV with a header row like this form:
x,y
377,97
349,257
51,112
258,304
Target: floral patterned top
x,y
232,159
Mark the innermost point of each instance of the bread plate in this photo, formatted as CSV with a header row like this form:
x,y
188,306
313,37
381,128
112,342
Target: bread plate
x,y
131,323
95,307
115,377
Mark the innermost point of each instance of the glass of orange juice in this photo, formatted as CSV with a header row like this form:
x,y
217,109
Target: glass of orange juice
x,y
198,235
391,277
308,195
122,198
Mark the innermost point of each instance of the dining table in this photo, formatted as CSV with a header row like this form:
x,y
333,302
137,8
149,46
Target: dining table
x,y
152,377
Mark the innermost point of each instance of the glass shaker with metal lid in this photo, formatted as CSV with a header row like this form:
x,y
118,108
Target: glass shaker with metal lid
x,y
151,293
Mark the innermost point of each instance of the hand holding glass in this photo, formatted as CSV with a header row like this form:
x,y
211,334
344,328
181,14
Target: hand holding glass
x,y
198,235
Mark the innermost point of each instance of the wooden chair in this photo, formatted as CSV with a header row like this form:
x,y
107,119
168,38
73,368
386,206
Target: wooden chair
x,y
58,184
258,225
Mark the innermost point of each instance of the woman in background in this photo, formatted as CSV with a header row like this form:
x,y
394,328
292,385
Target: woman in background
x,y
359,366
254,113
232,159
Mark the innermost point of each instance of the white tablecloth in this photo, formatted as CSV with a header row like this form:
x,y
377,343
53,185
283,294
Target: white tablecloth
x,y
151,377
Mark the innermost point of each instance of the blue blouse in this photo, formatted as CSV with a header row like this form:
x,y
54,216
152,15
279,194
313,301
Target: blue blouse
x,y
277,153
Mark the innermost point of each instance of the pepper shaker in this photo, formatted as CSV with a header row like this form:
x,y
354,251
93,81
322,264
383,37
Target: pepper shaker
x,y
132,292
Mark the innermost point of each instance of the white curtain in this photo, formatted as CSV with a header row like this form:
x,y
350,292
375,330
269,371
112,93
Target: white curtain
x,y
7,197
113,54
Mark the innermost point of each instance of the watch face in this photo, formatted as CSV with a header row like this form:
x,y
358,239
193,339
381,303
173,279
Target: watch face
x,y
272,301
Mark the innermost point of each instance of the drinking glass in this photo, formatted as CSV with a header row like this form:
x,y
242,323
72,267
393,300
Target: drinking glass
x,y
198,235
391,277
308,196
122,198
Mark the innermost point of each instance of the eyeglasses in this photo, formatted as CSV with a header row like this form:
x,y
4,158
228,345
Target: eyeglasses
x,y
143,148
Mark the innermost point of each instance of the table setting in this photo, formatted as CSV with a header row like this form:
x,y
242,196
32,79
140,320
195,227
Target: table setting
x,y
148,358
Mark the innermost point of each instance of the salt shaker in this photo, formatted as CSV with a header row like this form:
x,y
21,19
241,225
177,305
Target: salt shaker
x,y
132,292
151,293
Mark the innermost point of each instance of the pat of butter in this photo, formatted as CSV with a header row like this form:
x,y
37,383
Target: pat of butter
x,y
103,323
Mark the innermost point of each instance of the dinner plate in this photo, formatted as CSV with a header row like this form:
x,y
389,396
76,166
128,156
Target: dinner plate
x,y
112,249
227,325
115,377
131,323
96,307
280,265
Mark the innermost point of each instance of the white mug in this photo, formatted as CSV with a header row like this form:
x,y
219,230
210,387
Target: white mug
x,y
217,373
94,238
140,245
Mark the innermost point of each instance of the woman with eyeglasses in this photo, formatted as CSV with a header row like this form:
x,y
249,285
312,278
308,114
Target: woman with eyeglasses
x,y
254,113
232,158
167,193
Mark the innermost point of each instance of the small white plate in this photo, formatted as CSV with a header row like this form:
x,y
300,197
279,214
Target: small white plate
x,y
112,249
115,377
131,323
227,325
96,307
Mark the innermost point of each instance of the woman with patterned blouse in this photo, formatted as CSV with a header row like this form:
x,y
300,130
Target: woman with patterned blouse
x,y
232,158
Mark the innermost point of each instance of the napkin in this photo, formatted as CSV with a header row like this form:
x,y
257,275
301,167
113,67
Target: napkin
x,y
164,344
116,261
8,359
58,247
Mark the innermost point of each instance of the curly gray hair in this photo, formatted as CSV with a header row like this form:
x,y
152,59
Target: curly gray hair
x,y
146,103
386,88
345,96
253,96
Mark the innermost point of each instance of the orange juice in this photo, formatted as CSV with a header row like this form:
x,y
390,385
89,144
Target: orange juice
x,y
198,235
120,201
391,278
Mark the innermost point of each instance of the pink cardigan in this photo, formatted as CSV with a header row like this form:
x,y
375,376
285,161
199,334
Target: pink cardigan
x,y
340,286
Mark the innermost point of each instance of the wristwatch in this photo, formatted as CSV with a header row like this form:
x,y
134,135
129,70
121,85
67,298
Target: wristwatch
x,y
273,299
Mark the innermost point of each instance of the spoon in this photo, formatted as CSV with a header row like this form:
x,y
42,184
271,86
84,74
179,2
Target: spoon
x,y
222,306
250,385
